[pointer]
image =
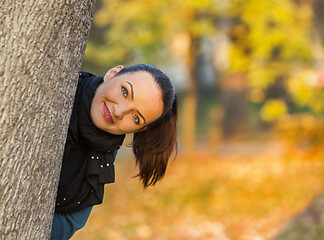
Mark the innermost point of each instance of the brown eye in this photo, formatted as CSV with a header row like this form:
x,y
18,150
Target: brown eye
x,y
136,118
124,91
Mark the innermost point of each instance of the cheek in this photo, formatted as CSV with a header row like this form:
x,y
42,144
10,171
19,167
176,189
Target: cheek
x,y
110,95
111,91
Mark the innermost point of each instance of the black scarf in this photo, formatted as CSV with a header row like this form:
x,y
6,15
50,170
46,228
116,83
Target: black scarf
x,y
88,160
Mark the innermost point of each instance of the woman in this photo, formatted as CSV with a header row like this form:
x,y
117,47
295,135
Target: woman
x,y
138,99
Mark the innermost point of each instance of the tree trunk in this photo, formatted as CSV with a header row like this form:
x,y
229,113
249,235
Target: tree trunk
x,y
233,100
42,45
190,99
318,7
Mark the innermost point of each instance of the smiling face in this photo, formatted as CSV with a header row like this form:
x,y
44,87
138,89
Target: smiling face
x,y
126,103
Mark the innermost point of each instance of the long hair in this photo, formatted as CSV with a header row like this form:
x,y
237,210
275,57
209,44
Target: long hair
x,y
152,147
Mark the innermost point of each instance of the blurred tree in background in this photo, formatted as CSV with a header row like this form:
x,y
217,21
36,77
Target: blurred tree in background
x,y
243,63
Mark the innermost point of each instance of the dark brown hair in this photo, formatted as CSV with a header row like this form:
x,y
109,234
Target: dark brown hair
x,y
152,147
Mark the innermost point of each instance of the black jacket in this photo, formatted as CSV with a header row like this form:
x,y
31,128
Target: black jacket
x,y
89,154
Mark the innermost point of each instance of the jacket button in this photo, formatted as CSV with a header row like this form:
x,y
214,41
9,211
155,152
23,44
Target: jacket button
x,y
78,202
107,164
101,166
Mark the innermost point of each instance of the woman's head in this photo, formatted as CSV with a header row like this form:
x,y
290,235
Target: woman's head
x,y
139,99
128,100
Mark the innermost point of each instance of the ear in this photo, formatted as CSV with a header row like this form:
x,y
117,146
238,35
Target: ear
x,y
141,129
112,72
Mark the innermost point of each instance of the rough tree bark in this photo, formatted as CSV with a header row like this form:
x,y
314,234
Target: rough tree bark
x,y
41,48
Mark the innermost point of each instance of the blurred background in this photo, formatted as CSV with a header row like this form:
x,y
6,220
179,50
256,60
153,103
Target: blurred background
x,y
249,76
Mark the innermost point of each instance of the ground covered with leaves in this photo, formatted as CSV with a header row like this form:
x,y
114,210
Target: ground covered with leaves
x,y
208,197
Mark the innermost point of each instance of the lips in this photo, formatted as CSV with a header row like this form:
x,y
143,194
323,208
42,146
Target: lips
x,y
107,114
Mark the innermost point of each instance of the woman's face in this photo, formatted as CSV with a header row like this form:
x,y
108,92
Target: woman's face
x,y
126,103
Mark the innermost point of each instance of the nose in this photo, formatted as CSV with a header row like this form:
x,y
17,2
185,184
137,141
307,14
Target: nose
x,y
119,110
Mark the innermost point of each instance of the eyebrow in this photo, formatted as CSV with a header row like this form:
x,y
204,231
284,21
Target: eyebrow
x,y
132,94
141,116
131,86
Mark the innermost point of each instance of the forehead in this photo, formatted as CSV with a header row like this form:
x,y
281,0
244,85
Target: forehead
x,y
139,76
147,93
141,81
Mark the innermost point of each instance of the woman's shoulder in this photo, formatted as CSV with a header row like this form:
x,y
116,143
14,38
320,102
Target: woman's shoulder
x,y
85,74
